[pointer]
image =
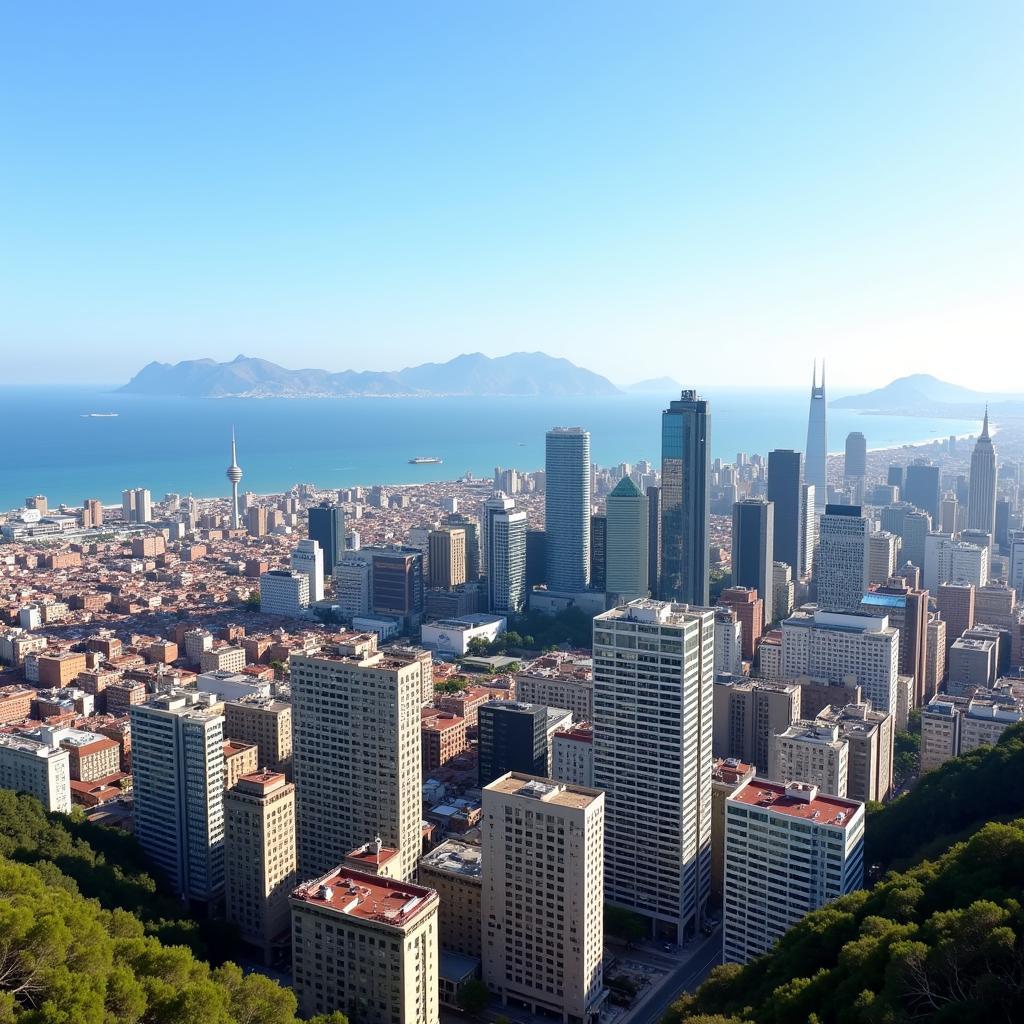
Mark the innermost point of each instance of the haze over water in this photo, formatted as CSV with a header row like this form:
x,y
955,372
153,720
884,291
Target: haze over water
x,y
183,445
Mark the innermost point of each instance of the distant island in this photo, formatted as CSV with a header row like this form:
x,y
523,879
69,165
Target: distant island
x,y
654,386
923,394
519,374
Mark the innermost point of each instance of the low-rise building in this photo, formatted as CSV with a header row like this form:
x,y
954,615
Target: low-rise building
x,y
453,636
559,679
442,737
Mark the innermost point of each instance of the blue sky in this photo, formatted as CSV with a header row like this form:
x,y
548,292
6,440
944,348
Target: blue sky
x,y
715,191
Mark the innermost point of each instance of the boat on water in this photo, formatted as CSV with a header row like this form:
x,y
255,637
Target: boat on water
x,y
425,460
98,415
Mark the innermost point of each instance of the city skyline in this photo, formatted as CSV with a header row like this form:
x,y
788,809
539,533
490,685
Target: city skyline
x,y
717,183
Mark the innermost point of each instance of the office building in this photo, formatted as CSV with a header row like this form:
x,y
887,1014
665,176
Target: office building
x,y
749,610
442,737
811,751
949,516
972,664
728,643
284,592
753,531
894,477
257,520
855,464
921,487
685,499
870,737
259,858
948,561
727,775
567,509
366,945
504,540
352,587
915,528
308,558
748,713
559,679
955,603
841,569
981,505
654,539
626,559
512,738
266,723
817,442
785,492
471,528
808,530
1016,563
935,670
356,755
598,552
542,897
536,569
326,526
652,746
907,610
447,561
39,767
396,584
882,551
788,850
951,726
178,791
839,647
454,870
783,590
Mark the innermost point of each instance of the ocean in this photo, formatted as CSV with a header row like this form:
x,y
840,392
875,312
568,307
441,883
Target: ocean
x,y
183,445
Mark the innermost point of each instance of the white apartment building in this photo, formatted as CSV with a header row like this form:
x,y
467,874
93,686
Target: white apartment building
x,y
232,685
178,787
308,558
951,726
842,562
542,898
653,682
197,641
39,767
572,755
814,752
222,659
352,587
839,647
728,643
788,850
284,592
356,753
882,554
367,946
952,561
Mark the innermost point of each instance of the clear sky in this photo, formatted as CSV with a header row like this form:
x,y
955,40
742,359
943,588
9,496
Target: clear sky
x,y
714,191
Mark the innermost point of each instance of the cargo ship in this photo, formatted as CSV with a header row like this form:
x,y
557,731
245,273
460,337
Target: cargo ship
x,y
425,460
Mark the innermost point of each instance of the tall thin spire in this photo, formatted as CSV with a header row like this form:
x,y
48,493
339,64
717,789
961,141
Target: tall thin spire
x,y
984,428
234,475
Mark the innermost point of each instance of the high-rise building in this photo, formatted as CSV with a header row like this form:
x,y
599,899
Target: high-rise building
x,y
259,858
308,558
785,492
396,583
749,610
1016,562
855,464
471,528
894,477
834,646
685,499
728,643
811,751
256,520
753,531
542,897
504,541
935,670
284,592
327,527
512,738
265,722
748,713
841,571
817,442
783,589
178,791
627,554
447,560
454,870
234,475
598,552
356,756
37,766
921,487
947,561
567,509
808,530
981,506
882,553
955,603
654,539
870,736
137,505
652,747
727,775
367,945
914,530
352,586
819,839
907,610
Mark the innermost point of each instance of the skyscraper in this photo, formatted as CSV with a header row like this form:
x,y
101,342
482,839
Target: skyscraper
x,y
626,560
234,475
327,528
309,559
598,552
921,487
472,530
652,749
753,531
817,442
447,557
567,508
981,500
841,570
785,471
505,545
808,530
855,465
685,508
654,539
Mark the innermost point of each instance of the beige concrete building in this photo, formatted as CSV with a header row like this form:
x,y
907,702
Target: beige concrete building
x,y
727,776
366,946
356,759
559,680
222,659
811,751
454,871
543,895
259,858
265,722
871,739
36,766
951,726
239,759
447,557
748,713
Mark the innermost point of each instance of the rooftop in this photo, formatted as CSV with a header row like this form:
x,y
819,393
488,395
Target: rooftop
x,y
367,897
790,801
661,613
545,790
582,732
456,858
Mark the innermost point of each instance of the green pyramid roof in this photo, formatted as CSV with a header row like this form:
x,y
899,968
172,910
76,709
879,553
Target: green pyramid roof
x,y
625,488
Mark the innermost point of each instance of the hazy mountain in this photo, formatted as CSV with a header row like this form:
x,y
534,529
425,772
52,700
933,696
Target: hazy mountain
x,y
521,373
919,392
654,386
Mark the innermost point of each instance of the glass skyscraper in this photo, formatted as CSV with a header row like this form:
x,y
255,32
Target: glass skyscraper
x,y
685,501
567,509
327,528
817,442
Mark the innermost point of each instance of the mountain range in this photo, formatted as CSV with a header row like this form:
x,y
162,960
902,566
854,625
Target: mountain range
x,y
923,393
517,374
